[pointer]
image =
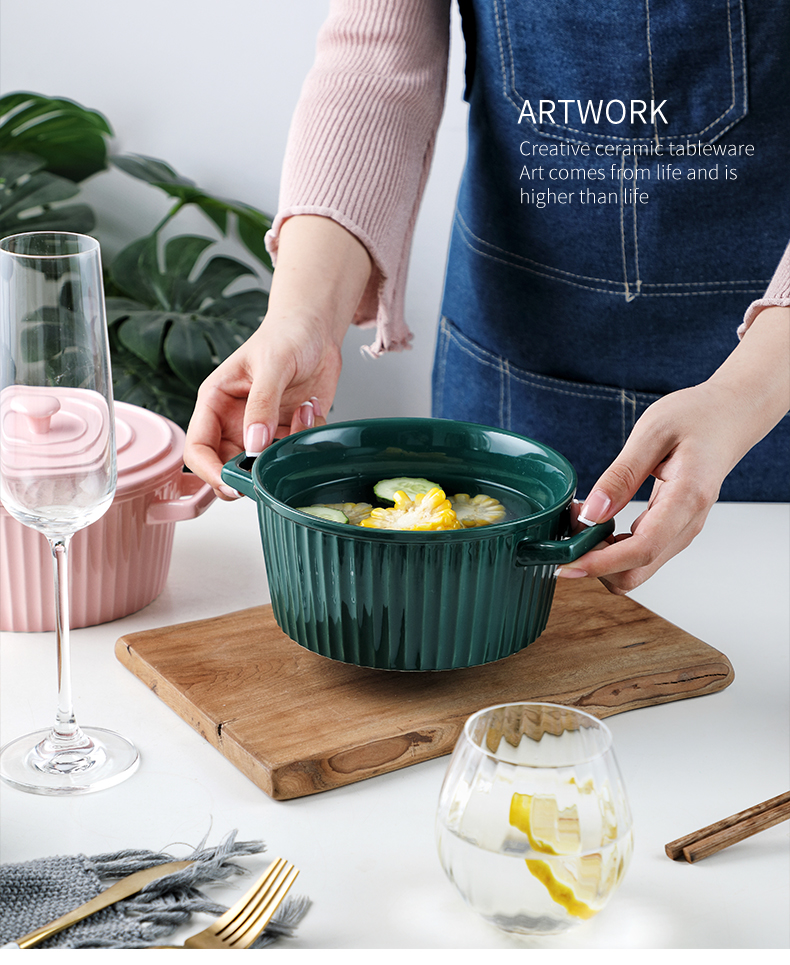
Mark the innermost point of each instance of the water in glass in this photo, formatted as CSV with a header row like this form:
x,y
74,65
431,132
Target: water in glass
x,y
533,826
57,467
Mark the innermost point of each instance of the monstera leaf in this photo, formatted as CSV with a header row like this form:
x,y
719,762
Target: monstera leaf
x,y
71,139
251,224
31,199
157,388
174,322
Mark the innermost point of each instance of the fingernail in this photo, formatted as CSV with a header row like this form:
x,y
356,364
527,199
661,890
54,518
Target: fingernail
x,y
230,493
307,414
255,438
595,507
570,572
316,407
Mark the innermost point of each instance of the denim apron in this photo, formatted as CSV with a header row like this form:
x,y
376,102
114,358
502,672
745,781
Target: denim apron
x,y
563,318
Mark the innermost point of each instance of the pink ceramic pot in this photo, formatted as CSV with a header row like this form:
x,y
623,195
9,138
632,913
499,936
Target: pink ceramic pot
x,y
119,564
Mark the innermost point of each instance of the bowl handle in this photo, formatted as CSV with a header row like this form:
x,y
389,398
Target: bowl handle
x,y
193,499
236,475
559,551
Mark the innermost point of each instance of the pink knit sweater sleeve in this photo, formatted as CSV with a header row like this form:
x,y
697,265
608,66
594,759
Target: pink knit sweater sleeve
x,y
777,293
362,139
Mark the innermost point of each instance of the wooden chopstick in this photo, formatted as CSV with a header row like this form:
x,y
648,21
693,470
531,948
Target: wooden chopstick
x,y
700,844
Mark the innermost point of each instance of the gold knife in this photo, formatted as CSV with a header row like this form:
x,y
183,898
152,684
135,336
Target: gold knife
x,y
121,889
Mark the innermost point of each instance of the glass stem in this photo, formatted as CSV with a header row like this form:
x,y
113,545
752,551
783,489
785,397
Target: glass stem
x,y
65,732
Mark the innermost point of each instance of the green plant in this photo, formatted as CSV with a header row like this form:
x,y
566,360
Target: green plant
x,y
173,308
47,146
176,322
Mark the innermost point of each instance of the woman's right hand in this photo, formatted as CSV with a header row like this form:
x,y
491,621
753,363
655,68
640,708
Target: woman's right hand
x,y
281,380
284,377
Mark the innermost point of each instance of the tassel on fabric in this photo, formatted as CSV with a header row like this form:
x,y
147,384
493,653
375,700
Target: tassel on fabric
x,y
33,893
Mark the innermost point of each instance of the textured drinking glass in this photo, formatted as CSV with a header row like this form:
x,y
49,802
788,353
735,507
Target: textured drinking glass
x,y
533,825
57,467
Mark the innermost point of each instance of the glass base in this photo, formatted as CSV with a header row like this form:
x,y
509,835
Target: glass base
x,y
531,926
35,763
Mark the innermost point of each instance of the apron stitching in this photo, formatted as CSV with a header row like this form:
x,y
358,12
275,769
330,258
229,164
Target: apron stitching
x,y
650,68
443,350
636,238
505,92
629,295
501,370
465,230
744,71
764,282
614,137
726,291
732,60
627,422
622,417
622,246
492,361
600,393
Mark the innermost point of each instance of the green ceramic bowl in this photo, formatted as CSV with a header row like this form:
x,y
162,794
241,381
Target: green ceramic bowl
x,y
412,600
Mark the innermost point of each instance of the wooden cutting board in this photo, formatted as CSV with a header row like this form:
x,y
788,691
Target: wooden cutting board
x,y
296,723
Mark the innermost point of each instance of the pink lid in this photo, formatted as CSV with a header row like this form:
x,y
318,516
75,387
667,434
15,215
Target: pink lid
x,y
52,430
148,446
58,429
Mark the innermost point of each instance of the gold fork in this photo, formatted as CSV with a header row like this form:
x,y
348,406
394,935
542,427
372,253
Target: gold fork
x,y
243,923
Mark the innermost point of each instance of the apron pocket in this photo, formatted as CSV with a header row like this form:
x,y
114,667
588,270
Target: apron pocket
x,y
603,57
588,424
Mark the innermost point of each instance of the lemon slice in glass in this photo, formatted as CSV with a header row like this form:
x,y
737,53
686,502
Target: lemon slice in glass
x,y
581,883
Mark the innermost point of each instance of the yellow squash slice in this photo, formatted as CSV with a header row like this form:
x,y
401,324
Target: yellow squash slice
x,y
477,510
427,511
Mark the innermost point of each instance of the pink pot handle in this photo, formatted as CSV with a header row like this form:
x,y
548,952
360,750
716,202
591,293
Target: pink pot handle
x,y
194,499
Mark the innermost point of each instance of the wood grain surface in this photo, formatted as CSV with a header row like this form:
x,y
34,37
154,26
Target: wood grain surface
x,y
297,723
730,830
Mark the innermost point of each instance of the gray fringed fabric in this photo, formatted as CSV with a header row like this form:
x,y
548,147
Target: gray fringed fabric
x,y
36,892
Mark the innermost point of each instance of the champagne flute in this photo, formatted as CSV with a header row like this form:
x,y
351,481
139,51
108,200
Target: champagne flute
x,y
533,825
57,468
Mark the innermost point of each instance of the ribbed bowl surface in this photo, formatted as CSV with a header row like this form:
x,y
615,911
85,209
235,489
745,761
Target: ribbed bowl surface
x,y
422,606
117,565
408,600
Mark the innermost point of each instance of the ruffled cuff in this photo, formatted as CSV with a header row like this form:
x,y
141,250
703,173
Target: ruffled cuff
x,y
777,294
381,305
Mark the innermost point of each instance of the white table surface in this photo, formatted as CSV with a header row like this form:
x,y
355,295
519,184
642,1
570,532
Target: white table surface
x,y
366,851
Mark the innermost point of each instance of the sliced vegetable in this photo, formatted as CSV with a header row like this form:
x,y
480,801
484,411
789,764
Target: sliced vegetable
x,y
412,486
581,882
550,829
478,510
324,512
354,512
427,511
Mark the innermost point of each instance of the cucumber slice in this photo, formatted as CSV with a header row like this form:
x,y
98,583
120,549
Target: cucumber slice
x,y
324,512
355,512
386,488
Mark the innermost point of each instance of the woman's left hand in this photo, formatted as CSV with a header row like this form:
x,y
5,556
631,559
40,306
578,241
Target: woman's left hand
x,y
689,441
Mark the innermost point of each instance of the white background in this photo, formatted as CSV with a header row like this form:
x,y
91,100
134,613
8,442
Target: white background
x,y
210,87
366,851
